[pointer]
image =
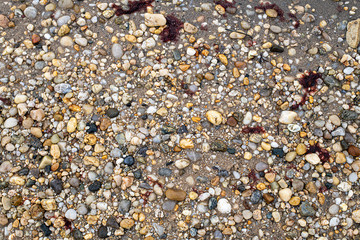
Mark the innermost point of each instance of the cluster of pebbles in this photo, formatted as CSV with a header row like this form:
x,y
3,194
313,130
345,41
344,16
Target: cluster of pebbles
x,y
179,119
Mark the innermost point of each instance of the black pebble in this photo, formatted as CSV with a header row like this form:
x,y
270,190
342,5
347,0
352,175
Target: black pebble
x,y
56,185
95,186
92,128
103,232
45,229
112,112
129,160
276,48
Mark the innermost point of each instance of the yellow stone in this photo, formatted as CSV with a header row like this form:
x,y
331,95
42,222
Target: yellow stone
x,y
214,117
301,149
260,186
88,160
184,67
72,124
294,201
186,143
223,59
193,195
90,139
247,155
266,146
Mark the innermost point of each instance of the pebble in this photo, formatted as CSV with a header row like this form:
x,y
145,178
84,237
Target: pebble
x,y
117,51
312,158
30,12
223,206
287,117
175,194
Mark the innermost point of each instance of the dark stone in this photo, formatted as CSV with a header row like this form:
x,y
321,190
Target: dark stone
x,y
95,186
124,206
137,174
56,185
276,48
218,145
112,112
223,173
30,183
332,81
92,128
279,152
145,185
167,129
103,232
306,210
47,168
231,150
142,151
111,222
255,197
344,144
182,129
45,230
77,234
349,138
177,55
212,203
129,160
34,142
165,172
241,187
24,172
349,115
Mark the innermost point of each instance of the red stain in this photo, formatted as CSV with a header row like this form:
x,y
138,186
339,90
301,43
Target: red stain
x,y
134,6
256,129
225,4
324,155
309,82
275,7
172,29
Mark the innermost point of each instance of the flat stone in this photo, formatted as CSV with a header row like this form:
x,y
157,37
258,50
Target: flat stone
x,y
175,194
312,158
214,117
287,117
353,33
154,20
224,206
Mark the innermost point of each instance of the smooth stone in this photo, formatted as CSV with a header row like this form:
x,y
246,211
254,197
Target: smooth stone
x,y
287,117
175,194
312,158
117,51
353,33
71,214
30,12
224,206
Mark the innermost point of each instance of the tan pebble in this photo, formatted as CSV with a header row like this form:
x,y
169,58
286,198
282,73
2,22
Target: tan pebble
x,y
186,143
127,223
214,117
72,124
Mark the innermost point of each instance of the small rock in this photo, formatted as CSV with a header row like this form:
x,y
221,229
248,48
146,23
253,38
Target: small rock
x,y
214,117
353,33
306,210
312,158
127,223
175,194
224,206
30,12
285,194
117,51
154,20
287,117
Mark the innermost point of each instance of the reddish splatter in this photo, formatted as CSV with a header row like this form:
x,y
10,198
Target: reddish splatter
x,y
153,182
275,7
172,29
197,191
184,86
225,4
324,155
145,196
133,6
297,22
309,82
323,189
252,175
6,101
68,224
256,129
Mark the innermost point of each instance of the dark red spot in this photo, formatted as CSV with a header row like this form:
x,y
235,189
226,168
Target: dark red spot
x,y
68,224
297,22
252,175
275,7
309,82
172,29
323,189
256,129
133,6
324,155
6,101
225,4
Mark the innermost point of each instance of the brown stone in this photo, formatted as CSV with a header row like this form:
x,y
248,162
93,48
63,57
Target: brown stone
x,y
354,151
231,121
36,211
240,65
268,198
311,187
4,21
104,124
3,220
175,194
16,200
35,39
127,223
